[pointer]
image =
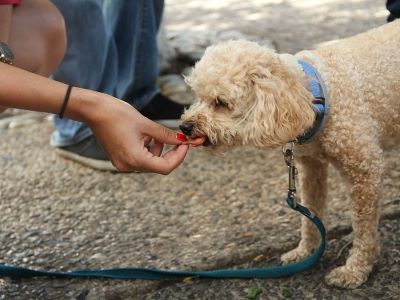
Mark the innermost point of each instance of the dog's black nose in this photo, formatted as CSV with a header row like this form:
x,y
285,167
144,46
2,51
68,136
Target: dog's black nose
x,y
186,128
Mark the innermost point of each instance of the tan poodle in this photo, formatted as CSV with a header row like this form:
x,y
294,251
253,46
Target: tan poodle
x,y
249,95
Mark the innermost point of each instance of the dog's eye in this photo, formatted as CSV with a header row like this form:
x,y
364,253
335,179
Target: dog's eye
x,y
220,103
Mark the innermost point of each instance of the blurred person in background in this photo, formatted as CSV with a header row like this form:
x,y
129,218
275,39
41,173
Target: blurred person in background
x,y
112,48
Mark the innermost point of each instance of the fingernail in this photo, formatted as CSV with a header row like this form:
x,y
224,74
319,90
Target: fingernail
x,y
181,137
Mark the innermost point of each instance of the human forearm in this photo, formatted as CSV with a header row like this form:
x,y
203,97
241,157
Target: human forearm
x,y
25,90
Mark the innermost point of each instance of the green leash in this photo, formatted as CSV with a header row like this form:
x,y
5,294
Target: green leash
x,y
15,272
154,274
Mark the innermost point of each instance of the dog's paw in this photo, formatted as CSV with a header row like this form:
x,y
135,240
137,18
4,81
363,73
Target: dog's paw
x,y
295,255
344,277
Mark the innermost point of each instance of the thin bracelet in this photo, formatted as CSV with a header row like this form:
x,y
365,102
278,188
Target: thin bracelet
x,y
64,106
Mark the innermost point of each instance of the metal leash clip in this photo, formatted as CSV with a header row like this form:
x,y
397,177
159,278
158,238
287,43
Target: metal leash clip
x,y
288,154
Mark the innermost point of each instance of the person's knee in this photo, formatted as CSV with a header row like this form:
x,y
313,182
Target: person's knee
x,y
38,36
55,38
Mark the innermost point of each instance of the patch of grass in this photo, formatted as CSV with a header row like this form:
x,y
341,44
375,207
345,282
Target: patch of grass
x,y
253,292
286,293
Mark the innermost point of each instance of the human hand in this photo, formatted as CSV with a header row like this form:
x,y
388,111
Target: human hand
x,y
133,142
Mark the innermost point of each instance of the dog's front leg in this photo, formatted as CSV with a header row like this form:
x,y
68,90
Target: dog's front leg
x,y
363,168
313,175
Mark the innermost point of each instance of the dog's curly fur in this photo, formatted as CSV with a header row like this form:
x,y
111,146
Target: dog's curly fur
x,y
249,95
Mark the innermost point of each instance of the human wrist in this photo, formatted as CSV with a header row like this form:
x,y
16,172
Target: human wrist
x,y
83,104
89,106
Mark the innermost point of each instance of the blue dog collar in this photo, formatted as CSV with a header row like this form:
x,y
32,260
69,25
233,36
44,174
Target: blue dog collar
x,y
321,103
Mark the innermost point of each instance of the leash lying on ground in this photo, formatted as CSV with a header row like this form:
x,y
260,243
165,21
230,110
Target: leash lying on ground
x,y
15,272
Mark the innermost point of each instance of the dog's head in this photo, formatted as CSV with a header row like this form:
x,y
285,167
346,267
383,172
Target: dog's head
x,y
247,94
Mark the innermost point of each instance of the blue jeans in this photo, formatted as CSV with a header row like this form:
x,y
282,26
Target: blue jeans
x,y
112,48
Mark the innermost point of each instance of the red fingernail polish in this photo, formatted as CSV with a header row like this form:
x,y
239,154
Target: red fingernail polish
x,y
181,137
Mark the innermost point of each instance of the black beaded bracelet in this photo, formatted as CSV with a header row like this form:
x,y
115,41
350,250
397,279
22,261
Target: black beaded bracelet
x,y
66,98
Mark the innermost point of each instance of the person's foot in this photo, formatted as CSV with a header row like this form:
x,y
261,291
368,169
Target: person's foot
x,y
163,110
391,18
89,153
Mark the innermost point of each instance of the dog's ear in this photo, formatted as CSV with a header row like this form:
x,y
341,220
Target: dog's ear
x,y
281,107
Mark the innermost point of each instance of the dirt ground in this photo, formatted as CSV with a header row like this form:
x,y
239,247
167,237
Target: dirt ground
x,y
293,25
212,212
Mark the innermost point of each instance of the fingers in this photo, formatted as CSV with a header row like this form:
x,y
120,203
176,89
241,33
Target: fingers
x,y
160,133
166,163
156,148
147,140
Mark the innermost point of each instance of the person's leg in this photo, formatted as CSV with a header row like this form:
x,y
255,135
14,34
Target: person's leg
x,y
93,61
90,61
37,37
394,8
112,49
129,69
135,25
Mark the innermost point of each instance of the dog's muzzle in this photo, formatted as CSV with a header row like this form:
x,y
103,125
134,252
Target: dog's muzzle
x,y
196,140
187,128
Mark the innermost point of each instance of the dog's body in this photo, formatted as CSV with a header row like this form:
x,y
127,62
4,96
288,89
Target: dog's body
x,y
250,95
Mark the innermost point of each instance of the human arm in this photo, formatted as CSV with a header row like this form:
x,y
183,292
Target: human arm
x,y
123,132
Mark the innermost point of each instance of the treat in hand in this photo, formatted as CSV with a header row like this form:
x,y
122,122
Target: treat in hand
x,y
191,141
198,141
